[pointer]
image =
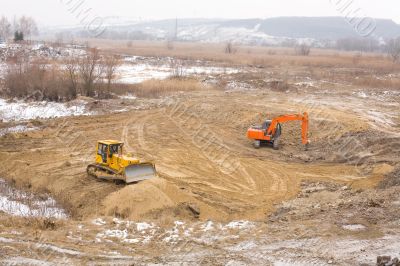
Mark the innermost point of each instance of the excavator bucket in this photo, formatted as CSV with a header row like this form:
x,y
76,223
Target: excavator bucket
x,y
139,172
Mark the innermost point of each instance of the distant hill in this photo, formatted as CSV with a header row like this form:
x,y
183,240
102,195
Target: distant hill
x,y
323,27
271,31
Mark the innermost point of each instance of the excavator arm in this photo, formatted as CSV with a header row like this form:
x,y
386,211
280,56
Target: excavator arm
x,y
286,118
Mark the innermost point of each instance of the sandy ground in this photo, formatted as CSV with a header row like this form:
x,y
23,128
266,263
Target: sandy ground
x,y
317,206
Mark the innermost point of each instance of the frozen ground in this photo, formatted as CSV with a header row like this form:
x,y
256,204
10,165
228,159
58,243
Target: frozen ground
x,y
20,203
131,73
16,129
201,243
20,110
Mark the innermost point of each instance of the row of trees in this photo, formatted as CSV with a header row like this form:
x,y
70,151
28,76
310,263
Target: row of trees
x,y
86,73
391,46
91,75
19,27
393,49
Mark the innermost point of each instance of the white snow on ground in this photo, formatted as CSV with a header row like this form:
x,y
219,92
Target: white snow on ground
x,y
143,226
137,73
133,74
58,249
380,118
208,226
19,203
98,221
238,86
306,84
25,261
3,69
16,129
128,96
143,233
354,227
20,110
239,225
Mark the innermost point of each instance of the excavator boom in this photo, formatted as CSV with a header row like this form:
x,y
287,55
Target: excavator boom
x,y
286,118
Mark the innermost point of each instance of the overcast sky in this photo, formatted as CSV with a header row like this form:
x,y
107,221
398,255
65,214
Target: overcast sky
x,y
62,12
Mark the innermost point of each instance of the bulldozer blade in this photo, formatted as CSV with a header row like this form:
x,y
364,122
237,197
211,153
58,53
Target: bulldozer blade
x,y
139,172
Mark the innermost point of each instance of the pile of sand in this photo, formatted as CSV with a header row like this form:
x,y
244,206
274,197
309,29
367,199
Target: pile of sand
x,y
135,201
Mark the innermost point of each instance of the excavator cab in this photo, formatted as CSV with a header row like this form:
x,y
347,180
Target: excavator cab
x,y
267,124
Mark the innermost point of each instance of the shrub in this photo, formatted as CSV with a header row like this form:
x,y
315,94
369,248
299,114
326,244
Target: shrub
x,y
156,88
303,49
37,81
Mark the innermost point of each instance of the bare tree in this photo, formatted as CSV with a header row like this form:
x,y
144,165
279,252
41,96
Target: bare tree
x,y
111,64
170,44
303,49
5,28
229,48
177,69
27,26
90,71
71,68
393,49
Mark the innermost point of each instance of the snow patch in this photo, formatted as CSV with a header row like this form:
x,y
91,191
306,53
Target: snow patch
x,y
239,225
25,261
58,249
143,226
238,86
20,110
208,226
98,221
137,73
16,129
354,227
128,96
6,240
19,203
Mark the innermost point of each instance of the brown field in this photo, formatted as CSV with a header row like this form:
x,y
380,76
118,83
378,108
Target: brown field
x,y
298,202
250,55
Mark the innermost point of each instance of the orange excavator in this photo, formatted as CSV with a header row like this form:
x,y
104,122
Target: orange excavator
x,y
270,131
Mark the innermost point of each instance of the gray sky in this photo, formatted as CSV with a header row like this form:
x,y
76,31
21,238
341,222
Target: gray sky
x,y
61,12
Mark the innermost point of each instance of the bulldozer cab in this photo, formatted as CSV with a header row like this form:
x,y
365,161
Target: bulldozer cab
x,y
106,150
114,165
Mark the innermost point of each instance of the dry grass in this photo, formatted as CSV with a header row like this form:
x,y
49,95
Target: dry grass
x,y
156,88
250,55
35,223
373,82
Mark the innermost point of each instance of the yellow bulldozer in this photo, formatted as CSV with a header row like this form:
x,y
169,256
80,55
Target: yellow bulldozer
x,y
112,164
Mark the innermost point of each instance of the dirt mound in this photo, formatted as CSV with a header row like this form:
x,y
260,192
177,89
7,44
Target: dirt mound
x,y
363,149
136,200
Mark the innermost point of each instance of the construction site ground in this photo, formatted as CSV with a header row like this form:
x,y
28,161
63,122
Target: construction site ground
x,y
218,200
